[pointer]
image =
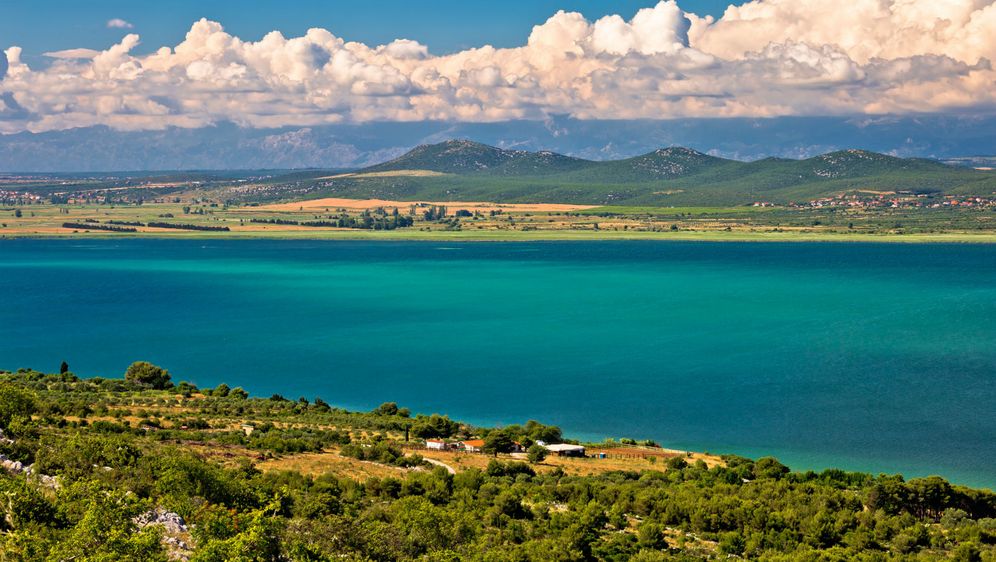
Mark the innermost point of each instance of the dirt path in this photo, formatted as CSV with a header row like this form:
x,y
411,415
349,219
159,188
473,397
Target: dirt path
x,y
440,463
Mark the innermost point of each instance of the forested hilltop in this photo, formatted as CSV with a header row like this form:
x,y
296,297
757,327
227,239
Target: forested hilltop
x,y
461,170
141,468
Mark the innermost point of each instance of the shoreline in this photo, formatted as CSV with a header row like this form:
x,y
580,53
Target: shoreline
x,y
603,442
799,462
525,236
495,222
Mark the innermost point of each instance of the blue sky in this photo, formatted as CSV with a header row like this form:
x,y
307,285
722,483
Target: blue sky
x,y
443,25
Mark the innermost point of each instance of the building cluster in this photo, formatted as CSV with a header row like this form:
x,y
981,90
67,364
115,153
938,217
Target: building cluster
x,y
477,446
8,197
898,200
88,197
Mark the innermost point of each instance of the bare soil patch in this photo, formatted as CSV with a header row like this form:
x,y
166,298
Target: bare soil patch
x,y
452,206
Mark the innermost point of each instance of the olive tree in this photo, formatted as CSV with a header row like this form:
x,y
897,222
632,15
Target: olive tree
x,y
145,373
536,453
498,441
15,403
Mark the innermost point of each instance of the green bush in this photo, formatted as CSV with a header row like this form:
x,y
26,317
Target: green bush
x,y
147,374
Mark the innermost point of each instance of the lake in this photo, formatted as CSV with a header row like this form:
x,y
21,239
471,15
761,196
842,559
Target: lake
x,y
874,357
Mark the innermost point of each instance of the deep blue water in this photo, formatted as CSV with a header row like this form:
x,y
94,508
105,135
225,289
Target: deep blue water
x,y
859,356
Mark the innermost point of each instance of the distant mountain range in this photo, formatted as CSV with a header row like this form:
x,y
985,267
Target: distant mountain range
x,y
466,170
230,147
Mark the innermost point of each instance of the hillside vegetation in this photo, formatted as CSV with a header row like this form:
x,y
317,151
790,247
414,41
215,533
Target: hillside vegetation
x,y
666,177
137,469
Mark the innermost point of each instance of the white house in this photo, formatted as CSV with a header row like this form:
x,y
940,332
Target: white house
x,y
565,449
435,444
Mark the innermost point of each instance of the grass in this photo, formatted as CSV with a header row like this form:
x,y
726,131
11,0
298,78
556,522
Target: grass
x,y
330,462
720,224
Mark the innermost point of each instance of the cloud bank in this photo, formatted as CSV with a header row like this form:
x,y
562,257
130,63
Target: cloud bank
x,y
763,58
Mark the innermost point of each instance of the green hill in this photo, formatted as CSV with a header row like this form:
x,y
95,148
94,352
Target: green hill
x,y
465,170
467,157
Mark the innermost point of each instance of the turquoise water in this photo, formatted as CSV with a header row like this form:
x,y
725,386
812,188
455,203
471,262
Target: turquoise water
x,y
860,356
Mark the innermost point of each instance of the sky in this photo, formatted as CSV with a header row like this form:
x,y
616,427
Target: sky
x,y
444,26
151,65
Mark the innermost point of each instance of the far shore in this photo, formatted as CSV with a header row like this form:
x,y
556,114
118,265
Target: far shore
x,y
517,236
390,220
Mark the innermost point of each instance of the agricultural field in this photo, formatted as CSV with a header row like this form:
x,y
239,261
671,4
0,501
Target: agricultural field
x,y
358,219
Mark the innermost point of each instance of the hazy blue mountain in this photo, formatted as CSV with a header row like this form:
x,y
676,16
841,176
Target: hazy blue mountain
x,y
227,146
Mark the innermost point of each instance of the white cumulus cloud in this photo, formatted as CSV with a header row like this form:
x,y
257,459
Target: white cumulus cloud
x,y
73,54
864,29
118,23
762,58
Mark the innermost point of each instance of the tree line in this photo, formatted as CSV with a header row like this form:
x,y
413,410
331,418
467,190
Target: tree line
x,y
97,226
364,221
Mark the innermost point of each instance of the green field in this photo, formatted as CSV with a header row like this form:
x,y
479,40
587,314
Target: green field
x,y
602,223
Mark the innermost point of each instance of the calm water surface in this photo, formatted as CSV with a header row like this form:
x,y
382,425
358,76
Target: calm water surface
x,y
861,356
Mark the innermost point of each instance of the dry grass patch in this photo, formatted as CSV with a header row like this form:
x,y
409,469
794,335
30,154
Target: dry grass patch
x,y
452,206
331,462
653,459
